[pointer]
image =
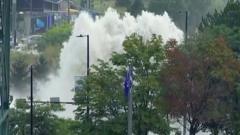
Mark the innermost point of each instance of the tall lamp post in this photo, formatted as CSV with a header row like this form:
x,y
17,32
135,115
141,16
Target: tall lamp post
x,y
88,69
14,15
68,10
31,14
186,34
31,100
53,100
186,13
185,41
186,26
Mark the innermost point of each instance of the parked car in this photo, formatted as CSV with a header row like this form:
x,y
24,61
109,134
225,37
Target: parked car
x,y
31,40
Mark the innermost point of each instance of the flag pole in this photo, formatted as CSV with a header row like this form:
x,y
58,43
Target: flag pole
x,y
128,93
130,111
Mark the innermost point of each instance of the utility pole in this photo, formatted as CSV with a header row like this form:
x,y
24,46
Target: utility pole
x,y
89,4
68,11
31,10
14,14
31,100
88,71
128,92
186,26
130,112
88,61
186,34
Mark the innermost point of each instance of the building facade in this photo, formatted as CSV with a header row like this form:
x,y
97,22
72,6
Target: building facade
x,y
35,16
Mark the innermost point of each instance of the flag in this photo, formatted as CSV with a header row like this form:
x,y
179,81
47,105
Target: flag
x,y
128,82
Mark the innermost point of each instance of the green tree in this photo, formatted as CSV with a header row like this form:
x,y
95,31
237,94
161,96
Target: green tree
x,y
46,61
103,92
198,80
55,36
50,46
123,3
136,8
19,68
196,8
225,24
41,68
226,17
45,121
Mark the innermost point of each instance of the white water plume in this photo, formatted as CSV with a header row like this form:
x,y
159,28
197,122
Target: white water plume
x,y
107,34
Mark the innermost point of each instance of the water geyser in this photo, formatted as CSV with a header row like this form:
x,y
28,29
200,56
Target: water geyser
x,y
107,34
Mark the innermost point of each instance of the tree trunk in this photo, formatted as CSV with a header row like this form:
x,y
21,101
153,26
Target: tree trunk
x,y
142,132
215,131
192,130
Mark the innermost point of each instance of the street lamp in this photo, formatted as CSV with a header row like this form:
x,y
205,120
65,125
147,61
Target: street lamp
x,y
87,69
186,24
14,15
68,10
31,100
185,42
87,51
53,100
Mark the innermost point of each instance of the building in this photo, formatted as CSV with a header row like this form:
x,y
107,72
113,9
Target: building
x,y
37,5
37,16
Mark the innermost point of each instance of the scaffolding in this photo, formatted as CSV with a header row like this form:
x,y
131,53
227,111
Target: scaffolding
x,y
5,6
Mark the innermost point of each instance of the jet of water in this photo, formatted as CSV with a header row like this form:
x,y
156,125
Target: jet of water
x,y
107,34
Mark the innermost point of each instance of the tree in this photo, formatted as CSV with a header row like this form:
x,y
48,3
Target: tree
x,y
196,8
103,92
136,8
123,3
50,46
55,36
224,23
225,17
41,68
19,68
46,61
45,122
198,79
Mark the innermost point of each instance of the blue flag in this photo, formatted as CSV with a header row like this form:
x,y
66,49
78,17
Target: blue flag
x,y
128,82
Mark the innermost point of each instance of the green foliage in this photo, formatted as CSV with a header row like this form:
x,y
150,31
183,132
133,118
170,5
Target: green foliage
x,y
102,95
50,46
45,122
20,63
103,92
66,127
224,24
226,17
17,122
55,36
123,3
136,8
20,67
46,61
41,67
196,8
51,55
22,104
198,80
